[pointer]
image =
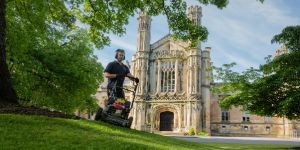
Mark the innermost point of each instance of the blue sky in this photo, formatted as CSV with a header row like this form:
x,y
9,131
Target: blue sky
x,y
240,33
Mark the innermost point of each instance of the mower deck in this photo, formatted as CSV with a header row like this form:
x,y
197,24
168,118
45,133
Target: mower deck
x,y
113,119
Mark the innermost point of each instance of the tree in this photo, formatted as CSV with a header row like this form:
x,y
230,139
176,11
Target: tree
x,y
271,90
38,36
7,93
51,61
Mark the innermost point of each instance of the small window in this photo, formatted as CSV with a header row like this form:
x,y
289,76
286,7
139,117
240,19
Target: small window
x,y
246,117
225,115
268,128
246,128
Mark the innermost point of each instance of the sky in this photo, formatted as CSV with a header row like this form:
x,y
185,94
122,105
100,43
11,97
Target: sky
x,y
240,33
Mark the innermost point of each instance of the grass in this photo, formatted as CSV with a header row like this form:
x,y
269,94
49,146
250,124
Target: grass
x,y
37,132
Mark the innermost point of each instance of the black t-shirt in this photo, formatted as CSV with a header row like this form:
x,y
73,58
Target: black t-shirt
x,y
116,68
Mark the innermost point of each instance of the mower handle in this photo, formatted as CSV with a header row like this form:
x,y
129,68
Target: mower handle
x,y
133,91
135,87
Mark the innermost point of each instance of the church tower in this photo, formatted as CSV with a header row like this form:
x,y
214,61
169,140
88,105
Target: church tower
x,y
194,106
143,49
200,74
194,55
140,66
195,14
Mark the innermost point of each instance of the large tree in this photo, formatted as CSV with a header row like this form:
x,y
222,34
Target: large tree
x,y
7,92
43,41
271,90
51,60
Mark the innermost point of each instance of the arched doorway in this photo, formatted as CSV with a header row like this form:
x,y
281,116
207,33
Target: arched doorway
x,y
166,121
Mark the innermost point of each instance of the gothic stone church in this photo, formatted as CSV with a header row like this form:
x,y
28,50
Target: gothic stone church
x,y
174,91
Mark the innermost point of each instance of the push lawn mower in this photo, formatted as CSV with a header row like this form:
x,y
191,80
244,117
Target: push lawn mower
x,y
117,112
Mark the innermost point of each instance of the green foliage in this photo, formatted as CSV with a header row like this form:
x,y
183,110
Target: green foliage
x,y
202,133
191,131
50,56
219,3
50,61
182,27
272,90
289,37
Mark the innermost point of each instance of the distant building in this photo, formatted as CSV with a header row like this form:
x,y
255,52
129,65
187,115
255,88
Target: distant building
x,y
280,51
174,91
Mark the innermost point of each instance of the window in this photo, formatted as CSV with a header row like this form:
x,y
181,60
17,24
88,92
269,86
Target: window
x,y
225,115
246,117
167,81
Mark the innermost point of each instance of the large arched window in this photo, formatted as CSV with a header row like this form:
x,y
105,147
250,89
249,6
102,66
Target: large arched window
x,y
167,80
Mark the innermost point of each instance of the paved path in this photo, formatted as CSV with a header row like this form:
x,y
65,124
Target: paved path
x,y
241,140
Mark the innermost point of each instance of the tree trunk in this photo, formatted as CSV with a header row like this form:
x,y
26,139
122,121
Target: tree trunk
x,y
7,92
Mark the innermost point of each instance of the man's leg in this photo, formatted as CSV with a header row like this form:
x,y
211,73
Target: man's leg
x,y
111,97
110,101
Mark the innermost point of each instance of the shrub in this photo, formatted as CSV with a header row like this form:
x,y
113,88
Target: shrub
x,y
202,133
191,131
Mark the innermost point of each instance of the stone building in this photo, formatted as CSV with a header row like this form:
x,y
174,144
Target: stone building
x,y
173,94
174,91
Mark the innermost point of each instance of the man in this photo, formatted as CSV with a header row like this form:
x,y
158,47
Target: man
x,y
116,72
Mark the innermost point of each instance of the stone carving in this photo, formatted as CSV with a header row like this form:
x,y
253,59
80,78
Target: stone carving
x,y
169,54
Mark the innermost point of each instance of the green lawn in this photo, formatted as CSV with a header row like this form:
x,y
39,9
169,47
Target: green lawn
x,y
36,132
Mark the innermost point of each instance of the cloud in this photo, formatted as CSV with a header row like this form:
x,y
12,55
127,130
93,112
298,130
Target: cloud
x,y
159,28
273,12
242,31
221,55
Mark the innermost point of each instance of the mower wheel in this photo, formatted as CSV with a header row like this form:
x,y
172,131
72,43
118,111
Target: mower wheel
x,y
99,114
130,119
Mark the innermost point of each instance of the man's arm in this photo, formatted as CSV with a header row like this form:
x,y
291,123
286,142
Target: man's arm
x,y
109,75
131,77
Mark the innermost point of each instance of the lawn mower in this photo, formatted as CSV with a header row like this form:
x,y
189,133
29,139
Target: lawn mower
x,y
117,109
